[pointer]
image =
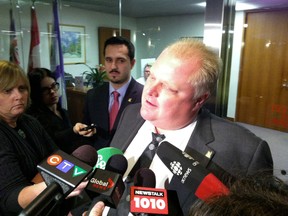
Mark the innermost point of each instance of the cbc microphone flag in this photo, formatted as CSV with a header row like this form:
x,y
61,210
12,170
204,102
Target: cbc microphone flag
x,y
34,53
13,51
56,56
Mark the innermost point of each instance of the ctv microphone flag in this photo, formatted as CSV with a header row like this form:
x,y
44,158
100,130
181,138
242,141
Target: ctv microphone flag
x,y
34,53
13,51
62,173
56,56
64,169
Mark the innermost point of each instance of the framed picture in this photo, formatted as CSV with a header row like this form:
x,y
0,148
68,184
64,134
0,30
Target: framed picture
x,y
73,43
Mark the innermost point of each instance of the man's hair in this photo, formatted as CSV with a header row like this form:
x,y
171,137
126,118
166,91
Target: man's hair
x,y
259,195
191,50
119,41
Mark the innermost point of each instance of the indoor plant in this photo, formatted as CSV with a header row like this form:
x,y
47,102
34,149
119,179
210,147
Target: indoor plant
x,y
95,76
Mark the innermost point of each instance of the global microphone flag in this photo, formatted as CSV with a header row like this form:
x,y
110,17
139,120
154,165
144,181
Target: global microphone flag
x,y
13,51
56,57
34,53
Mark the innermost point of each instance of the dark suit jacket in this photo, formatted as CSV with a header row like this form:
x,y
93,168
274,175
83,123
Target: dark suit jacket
x,y
96,110
233,149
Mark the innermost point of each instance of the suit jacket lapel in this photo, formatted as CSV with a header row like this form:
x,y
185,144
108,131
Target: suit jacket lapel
x,y
127,130
129,98
201,137
103,99
198,148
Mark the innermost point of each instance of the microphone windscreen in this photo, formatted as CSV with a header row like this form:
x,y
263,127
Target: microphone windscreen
x,y
86,154
117,163
145,177
104,154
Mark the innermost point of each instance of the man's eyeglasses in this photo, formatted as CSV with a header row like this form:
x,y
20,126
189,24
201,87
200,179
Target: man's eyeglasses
x,y
54,86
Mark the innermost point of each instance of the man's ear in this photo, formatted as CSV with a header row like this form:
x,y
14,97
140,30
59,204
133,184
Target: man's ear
x,y
133,61
202,99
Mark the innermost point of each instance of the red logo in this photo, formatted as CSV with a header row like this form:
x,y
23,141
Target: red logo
x,y
148,200
102,185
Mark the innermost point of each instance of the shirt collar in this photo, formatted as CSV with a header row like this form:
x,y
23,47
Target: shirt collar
x,y
122,90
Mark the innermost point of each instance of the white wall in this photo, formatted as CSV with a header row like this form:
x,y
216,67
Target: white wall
x,y
235,64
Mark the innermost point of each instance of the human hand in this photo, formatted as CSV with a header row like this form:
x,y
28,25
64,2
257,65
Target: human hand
x,y
78,129
97,210
78,190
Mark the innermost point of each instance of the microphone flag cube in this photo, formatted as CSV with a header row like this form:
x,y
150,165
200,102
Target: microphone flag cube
x,y
64,169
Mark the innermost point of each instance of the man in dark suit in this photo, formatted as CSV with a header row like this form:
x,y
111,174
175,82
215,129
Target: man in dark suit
x,y
181,80
119,60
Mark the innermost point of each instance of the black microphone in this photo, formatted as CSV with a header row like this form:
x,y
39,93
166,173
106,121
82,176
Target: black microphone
x,y
190,172
144,183
148,200
107,184
62,173
144,177
81,153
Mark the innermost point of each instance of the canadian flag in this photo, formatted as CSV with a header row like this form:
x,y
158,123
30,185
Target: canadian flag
x,y
34,53
13,55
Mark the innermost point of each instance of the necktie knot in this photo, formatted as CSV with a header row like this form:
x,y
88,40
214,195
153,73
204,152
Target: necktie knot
x,y
157,137
115,95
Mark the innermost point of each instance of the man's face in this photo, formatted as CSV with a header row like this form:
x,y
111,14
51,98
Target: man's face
x,y
118,64
168,97
146,72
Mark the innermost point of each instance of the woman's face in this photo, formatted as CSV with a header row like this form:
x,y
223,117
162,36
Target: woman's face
x,y
13,101
49,91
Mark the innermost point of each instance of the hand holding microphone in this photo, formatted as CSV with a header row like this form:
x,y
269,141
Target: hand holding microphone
x,y
62,174
97,210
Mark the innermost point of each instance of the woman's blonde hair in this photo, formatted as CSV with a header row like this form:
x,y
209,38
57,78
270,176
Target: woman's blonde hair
x,y
11,74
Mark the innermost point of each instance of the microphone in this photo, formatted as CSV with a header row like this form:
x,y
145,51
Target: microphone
x,y
104,154
147,200
190,172
108,183
62,173
144,177
86,154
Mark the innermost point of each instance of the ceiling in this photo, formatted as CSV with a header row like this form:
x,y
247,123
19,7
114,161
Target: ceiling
x,y
149,8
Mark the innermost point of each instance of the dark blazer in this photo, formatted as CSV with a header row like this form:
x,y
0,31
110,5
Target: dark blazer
x,y
230,148
59,129
96,110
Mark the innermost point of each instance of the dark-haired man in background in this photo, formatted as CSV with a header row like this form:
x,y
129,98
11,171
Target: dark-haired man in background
x,y
119,55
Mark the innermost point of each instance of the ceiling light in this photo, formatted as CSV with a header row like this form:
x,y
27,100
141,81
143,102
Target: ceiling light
x,y
201,4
